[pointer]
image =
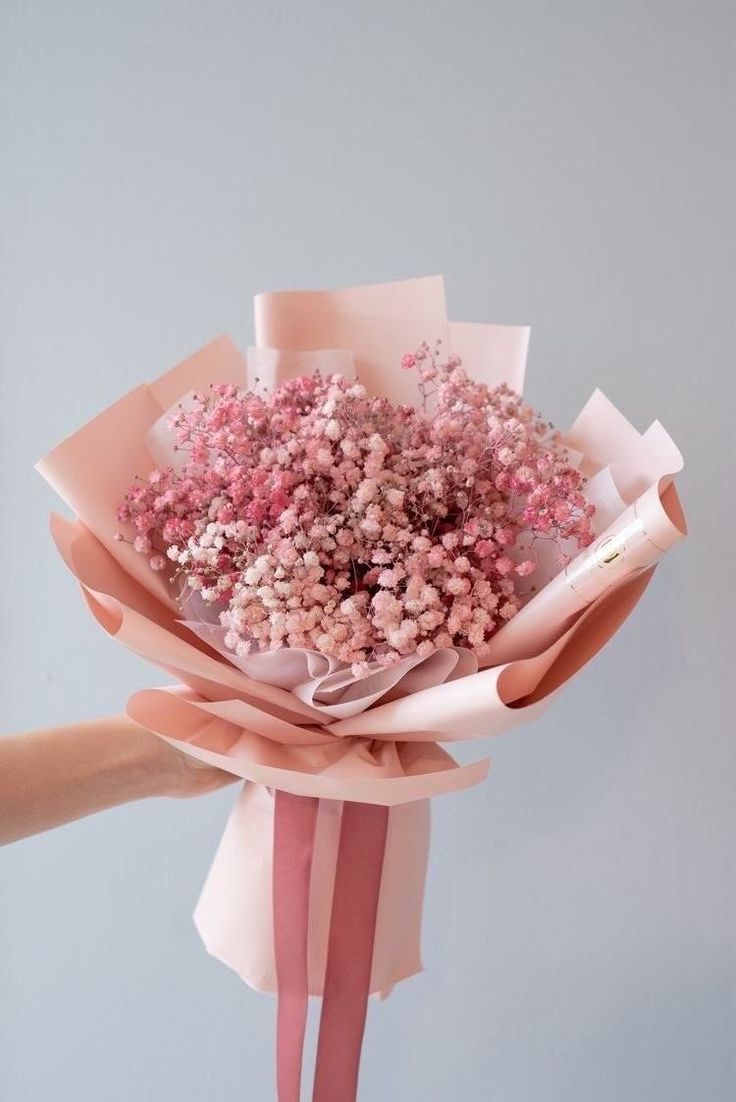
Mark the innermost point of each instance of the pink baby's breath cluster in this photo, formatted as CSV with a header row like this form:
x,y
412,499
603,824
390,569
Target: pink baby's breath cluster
x,y
317,516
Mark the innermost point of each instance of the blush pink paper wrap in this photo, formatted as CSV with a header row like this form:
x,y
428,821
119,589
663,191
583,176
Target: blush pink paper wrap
x,y
387,750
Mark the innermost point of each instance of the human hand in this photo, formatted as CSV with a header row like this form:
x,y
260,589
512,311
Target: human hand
x,y
180,774
53,776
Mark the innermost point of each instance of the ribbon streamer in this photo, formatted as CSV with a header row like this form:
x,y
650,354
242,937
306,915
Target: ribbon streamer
x,y
350,952
363,833
295,821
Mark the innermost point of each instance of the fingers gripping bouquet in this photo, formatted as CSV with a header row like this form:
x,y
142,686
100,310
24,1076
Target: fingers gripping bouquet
x,y
348,547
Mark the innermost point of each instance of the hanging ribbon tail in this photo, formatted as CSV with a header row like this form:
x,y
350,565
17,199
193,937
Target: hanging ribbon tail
x,y
350,951
295,822
358,874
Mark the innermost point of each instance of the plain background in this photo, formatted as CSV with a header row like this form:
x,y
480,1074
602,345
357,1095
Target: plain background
x,y
565,164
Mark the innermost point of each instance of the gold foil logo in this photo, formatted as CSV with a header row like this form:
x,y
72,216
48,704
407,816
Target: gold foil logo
x,y
608,552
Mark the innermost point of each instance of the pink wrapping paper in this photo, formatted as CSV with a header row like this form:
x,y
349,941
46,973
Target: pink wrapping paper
x,y
385,749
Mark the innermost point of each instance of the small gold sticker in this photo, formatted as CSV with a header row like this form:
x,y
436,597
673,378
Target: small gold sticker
x,y
609,551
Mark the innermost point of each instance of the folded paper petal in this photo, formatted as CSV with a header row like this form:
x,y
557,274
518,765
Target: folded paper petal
x,y
367,770
380,323
329,685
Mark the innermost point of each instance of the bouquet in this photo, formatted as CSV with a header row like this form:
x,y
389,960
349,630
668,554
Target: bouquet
x,y
349,546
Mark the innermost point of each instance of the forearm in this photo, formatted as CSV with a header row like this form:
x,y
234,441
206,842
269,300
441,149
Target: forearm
x,y
51,777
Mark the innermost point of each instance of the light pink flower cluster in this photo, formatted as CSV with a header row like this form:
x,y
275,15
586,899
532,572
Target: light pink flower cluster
x,y
319,517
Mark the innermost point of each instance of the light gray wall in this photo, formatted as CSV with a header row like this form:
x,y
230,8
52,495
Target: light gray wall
x,y
567,164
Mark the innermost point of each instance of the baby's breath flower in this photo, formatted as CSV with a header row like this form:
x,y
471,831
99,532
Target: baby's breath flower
x,y
317,516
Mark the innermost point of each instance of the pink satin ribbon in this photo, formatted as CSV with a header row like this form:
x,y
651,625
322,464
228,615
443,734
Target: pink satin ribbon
x,y
363,833
295,821
350,952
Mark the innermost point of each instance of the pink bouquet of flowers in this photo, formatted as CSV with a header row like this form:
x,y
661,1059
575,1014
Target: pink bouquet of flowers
x,y
348,547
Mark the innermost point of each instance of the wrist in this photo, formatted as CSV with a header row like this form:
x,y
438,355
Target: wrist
x,y
143,764
140,764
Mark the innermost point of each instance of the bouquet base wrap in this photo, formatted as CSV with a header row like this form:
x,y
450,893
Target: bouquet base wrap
x,y
317,886
235,919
